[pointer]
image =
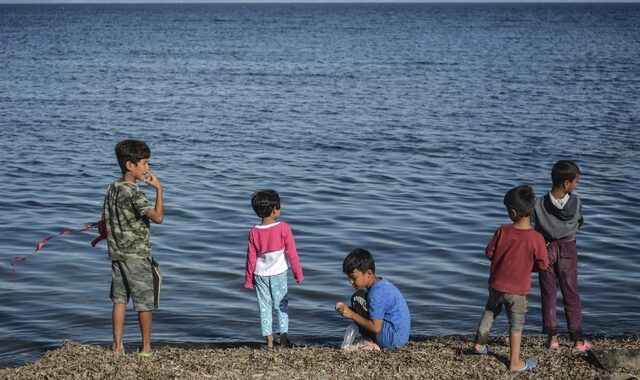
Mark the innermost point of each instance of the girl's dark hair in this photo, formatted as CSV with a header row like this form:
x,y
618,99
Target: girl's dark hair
x,y
264,201
131,150
521,199
564,170
359,259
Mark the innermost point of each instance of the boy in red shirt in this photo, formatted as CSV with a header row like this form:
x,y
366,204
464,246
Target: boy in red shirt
x,y
515,251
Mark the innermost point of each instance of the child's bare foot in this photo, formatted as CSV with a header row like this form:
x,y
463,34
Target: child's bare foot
x,y
524,365
372,346
270,342
118,349
480,349
365,345
517,365
582,346
552,342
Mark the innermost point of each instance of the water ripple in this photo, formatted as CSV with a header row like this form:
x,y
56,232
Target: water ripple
x,y
393,127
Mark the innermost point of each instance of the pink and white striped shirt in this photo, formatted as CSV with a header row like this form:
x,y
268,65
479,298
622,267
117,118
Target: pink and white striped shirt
x,y
268,250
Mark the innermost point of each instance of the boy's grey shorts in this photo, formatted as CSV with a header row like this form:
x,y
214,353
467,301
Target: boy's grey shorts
x,y
516,306
136,279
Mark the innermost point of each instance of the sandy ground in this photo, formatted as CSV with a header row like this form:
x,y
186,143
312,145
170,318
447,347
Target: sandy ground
x,y
428,358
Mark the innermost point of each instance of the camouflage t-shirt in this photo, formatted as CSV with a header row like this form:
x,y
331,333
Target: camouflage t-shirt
x,y
124,210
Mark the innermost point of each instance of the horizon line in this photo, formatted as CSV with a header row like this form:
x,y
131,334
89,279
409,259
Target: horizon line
x,y
249,2
310,2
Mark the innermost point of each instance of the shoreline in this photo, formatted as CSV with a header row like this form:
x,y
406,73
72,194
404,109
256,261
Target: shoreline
x,y
444,357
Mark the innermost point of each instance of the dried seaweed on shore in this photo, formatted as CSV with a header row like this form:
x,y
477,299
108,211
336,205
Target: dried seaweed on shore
x,y
428,358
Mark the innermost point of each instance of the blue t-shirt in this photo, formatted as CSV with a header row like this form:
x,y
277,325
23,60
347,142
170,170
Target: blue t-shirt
x,y
387,303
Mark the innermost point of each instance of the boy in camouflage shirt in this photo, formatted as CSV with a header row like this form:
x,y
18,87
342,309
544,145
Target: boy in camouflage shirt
x,y
126,213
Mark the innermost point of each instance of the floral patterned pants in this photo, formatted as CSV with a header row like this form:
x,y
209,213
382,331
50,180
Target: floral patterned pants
x,y
272,300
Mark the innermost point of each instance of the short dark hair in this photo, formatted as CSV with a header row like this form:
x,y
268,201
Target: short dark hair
x,y
131,150
521,199
359,259
264,201
564,170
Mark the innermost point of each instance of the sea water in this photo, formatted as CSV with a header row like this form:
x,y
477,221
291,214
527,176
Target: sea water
x,y
397,128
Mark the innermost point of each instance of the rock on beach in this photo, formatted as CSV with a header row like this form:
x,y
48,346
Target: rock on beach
x,y
445,357
618,358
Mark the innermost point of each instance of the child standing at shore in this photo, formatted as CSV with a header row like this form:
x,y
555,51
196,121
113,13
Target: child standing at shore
x,y
558,215
126,214
377,307
270,245
515,251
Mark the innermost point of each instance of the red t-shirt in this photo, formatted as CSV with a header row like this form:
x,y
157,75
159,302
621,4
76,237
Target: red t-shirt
x,y
514,254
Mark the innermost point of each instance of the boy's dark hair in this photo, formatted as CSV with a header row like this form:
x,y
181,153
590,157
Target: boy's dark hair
x,y
131,150
359,259
264,201
521,199
564,170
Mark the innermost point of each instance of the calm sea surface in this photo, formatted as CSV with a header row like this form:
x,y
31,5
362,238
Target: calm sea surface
x,y
392,127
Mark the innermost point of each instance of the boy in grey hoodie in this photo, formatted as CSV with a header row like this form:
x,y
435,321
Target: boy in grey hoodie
x,y
558,215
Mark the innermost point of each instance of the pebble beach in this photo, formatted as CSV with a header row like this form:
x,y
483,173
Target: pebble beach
x,y
426,358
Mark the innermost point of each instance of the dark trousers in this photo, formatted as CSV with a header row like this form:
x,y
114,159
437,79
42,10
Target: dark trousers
x,y
563,273
360,307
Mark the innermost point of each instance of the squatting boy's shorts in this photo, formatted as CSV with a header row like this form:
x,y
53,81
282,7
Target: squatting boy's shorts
x,y
139,279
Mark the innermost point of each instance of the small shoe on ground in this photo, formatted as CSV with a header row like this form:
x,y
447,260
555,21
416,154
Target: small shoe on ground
x,y
483,351
529,364
584,347
288,344
145,354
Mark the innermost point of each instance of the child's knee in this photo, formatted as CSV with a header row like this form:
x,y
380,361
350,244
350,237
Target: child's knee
x,y
359,298
359,303
516,322
516,330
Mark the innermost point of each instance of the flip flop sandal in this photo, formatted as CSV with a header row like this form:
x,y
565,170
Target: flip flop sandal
x,y
483,351
586,346
553,345
529,364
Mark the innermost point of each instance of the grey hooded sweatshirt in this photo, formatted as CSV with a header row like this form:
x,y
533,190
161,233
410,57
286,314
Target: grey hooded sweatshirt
x,y
555,223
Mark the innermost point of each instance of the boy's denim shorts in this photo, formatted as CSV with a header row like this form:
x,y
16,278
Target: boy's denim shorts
x,y
135,278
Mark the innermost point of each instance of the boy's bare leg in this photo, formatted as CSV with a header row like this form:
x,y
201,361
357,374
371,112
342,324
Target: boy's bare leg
x,y
145,319
117,319
515,363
